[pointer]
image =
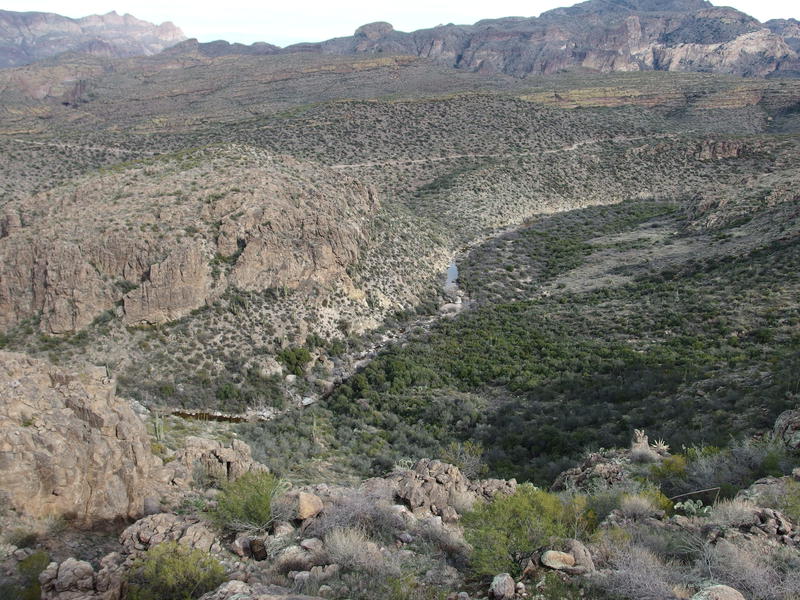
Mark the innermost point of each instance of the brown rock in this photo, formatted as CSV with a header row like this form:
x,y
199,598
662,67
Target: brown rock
x,y
68,446
308,506
560,561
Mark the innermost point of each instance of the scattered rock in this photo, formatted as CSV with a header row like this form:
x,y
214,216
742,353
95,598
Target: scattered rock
x,y
503,587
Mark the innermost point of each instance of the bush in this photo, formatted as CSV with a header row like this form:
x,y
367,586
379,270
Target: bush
x,y
247,504
641,574
509,529
370,512
171,571
353,550
733,513
758,571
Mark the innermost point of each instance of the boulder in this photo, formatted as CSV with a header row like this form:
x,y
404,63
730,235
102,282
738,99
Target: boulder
x,y
503,587
432,487
201,457
596,470
557,560
166,527
308,506
77,580
68,445
718,592
787,429
583,558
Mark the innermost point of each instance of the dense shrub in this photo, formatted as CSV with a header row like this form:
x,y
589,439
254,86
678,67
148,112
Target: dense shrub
x,y
248,503
172,571
509,529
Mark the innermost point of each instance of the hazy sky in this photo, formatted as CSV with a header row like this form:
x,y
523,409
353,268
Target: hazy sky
x,y
284,23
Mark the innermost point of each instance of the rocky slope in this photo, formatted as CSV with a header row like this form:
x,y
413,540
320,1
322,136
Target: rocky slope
x,y
158,241
594,36
26,37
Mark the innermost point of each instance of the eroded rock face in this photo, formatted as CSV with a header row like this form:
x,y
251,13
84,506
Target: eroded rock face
x,y
68,446
211,459
262,223
30,36
599,36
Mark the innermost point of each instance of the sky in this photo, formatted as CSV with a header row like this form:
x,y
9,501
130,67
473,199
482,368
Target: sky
x,y
283,23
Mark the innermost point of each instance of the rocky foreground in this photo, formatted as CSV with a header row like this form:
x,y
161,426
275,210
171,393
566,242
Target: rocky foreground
x,y
71,450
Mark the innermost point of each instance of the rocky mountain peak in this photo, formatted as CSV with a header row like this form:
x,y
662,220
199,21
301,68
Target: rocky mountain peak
x,y
374,31
26,37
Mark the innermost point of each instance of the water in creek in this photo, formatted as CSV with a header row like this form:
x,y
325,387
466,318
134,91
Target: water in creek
x,y
452,275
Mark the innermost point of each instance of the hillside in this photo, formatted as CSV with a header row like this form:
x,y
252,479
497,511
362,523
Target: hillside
x,y
329,321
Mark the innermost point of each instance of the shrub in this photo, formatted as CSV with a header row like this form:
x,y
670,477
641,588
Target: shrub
x,y
369,512
637,507
509,529
171,571
467,456
639,573
353,550
733,513
756,570
247,503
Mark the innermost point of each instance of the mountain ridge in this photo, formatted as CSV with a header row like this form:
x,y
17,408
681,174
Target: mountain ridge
x,y
27,37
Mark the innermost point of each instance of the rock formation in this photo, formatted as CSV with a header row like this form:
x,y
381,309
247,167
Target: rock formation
x,y
26,37
597,35
68,446
270,223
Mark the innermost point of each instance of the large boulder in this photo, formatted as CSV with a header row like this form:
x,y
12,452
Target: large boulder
x,y
596,470
787,429
718,592
440,489
78,580
214,461
68,446
167,527
503,587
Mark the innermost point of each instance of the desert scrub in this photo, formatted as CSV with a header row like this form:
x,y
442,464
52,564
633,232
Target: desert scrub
x,y
27,586
171,571
248,503
506,531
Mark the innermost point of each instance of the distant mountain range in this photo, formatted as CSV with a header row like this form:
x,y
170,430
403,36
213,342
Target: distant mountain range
x,y
594,36
27,37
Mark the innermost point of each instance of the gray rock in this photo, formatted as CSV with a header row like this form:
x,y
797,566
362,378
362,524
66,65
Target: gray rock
x,y
503,587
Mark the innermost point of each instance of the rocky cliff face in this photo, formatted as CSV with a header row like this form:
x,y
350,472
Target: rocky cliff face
x,y
26,37
596,36
155,242
68,446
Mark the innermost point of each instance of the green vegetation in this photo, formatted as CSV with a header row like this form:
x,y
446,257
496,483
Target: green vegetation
x,y
27,585
248,503
172,571
295,359
510,529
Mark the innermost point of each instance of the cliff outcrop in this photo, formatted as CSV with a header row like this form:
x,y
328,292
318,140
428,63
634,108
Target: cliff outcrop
x,y
154,248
